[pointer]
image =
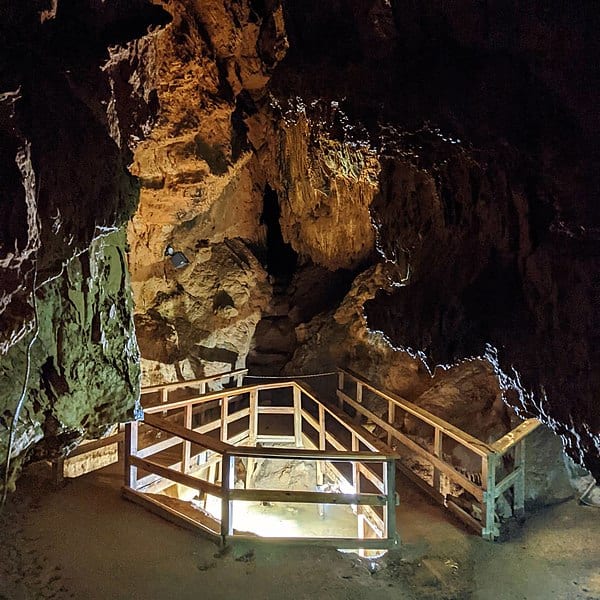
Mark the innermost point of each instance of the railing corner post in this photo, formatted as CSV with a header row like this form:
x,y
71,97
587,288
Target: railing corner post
x,y
489,497
227,473
390,490
131,447
519,487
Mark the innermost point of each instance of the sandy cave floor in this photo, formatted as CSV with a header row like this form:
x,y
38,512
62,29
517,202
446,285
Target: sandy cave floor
x,y
84,541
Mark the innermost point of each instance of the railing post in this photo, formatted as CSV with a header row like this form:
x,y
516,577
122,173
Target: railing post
x,y
239,380
58,471
164,398
253,423
224,414
297,417
187,446
252,435
519,489
131,446
322,436
437,451
361,531
488,479
389,481
355,466
340,387
359,392
227,474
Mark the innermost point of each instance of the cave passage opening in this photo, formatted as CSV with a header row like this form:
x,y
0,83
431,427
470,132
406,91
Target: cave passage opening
x,y
281,259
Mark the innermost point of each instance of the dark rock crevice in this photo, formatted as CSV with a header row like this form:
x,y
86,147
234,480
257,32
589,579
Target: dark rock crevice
x,y
490,178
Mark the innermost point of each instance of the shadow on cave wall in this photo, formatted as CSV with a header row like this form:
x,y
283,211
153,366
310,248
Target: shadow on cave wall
x,y
490,179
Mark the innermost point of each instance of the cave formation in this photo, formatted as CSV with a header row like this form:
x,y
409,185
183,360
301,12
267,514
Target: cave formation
x,y
406,189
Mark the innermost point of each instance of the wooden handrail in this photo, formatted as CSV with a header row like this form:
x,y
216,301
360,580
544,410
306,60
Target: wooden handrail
x,y
505,443
218,395
177,476
477,446
85,446
225,453
255,495
189,435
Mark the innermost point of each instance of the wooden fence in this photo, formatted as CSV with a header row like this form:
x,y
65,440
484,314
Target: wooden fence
x,y
203,444
502,464
149,395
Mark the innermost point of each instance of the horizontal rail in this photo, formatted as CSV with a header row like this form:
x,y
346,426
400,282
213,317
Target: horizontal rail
x,y
314,423
187,434
308,497
176,476
192,382
275,410
158,447
228,394
372,477
339,543
341,417
235,416
92,445
218,395
509,480
307,454
505,443
477,446
406,441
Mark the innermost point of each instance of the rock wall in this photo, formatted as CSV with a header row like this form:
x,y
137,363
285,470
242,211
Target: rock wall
x,y
488,183
429,136
202,186
73,369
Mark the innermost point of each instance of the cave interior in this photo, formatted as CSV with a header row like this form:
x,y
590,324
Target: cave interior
x,y
405,189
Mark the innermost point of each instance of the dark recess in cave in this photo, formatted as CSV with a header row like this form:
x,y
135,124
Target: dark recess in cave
x,y
281,259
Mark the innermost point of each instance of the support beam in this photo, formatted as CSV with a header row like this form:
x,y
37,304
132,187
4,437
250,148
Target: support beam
x,y
322,438
297,410
224,413
389,476
227,484
131,446
187,445
437,450
488,476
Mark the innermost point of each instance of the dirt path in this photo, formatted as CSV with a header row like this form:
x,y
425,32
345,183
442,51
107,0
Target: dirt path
x,y
84,541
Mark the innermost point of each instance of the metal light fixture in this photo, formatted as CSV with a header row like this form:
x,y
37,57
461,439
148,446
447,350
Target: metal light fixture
x,y
179,259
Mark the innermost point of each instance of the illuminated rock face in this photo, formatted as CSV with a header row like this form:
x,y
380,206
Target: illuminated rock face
x,y
202,187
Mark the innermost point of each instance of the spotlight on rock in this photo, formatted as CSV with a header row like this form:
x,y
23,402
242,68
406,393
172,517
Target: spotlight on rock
x,y
179,259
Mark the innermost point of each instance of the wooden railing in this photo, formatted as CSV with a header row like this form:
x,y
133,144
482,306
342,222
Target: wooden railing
x,y
206,460
506,455
163,390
